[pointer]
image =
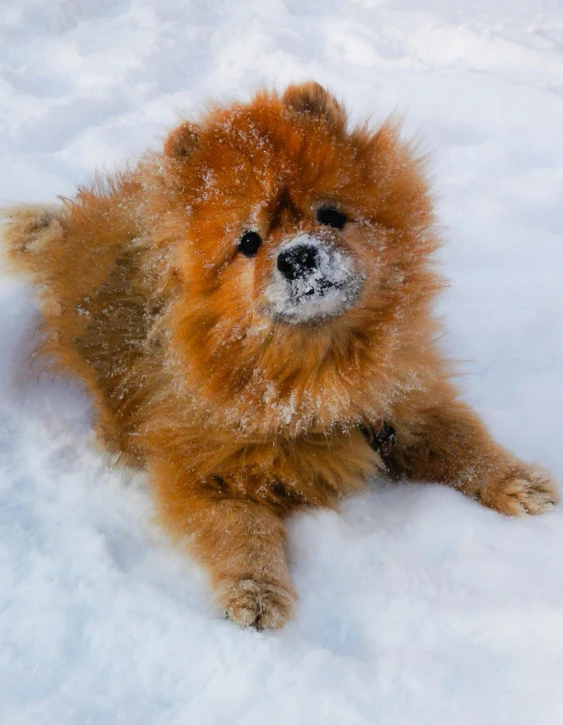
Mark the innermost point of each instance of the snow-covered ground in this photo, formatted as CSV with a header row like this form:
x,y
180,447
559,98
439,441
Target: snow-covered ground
x,y
417,606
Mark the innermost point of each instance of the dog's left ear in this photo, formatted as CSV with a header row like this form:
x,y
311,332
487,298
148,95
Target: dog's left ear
x,y
182,141
312,98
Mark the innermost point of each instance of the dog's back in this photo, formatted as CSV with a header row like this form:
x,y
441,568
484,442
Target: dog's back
x,y
80,257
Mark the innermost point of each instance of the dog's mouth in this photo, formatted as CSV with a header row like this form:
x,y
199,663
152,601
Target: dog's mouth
x,y
316,287
312,282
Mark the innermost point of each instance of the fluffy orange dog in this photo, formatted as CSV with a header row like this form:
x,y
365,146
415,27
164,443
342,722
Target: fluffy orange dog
x,y
251,312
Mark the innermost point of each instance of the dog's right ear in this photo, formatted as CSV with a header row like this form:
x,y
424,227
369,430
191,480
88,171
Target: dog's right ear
x,y
312,98
183,141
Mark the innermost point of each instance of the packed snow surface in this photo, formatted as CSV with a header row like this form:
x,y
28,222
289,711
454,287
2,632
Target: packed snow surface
x,y
417,606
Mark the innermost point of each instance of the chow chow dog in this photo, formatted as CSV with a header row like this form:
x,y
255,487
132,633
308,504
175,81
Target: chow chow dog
x,y
250,309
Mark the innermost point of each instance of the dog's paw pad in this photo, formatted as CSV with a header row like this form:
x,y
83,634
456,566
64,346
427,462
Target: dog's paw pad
x,y
532,492
258,604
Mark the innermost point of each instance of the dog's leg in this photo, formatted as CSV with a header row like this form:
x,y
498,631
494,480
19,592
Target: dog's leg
x,y
441,439
240,542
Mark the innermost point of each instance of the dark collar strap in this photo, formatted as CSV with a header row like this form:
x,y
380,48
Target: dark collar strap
x,y
381,439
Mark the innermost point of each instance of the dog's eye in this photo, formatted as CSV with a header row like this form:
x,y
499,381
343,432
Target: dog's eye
x,y
250,243
331,217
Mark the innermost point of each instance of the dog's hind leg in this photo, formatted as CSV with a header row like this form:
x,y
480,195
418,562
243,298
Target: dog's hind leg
x,y
29,231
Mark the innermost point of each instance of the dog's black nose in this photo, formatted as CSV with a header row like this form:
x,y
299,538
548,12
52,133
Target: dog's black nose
x,y
298,261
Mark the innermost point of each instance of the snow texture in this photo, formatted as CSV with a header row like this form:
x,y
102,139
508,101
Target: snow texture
x,y
417,606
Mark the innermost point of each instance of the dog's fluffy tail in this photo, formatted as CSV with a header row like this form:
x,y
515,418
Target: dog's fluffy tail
x,y
29,233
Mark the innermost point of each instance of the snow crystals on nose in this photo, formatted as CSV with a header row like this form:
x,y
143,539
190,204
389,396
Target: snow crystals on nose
x,y
325,290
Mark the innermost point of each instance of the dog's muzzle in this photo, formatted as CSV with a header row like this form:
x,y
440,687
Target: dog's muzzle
x,y
311,280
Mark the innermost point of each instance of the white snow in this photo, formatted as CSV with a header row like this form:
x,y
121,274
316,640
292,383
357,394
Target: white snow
x,y
417,606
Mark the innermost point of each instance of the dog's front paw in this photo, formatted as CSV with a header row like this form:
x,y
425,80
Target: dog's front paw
x,y
524,491
258,604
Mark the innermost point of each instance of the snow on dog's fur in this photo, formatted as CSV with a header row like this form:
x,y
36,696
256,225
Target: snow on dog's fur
x,y
247,309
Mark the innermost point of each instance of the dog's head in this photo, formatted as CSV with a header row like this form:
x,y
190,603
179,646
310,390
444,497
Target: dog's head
x,y
291,238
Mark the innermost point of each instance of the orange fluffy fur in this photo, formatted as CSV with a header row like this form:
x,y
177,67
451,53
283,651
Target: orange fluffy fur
x,y
239,417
